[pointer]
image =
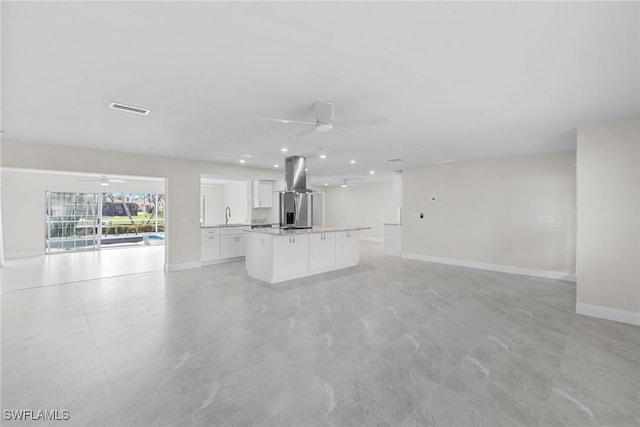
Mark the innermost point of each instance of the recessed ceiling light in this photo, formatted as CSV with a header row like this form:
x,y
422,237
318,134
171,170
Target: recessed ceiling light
x,y
284,149
242,160
276,166
343,185
372,172
323,156
325,184
352,161
306,169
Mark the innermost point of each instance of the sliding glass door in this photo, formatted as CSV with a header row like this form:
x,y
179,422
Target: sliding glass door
x,y
90,221
72,222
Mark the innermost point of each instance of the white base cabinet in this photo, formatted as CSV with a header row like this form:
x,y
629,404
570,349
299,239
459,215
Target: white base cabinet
x,y
220,244
232,246
322,251
232,243
290,256
276,258
347,248
210,245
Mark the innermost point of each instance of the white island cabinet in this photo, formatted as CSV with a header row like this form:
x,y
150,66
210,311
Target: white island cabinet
x,y
347,248
292,258
275,255
322,251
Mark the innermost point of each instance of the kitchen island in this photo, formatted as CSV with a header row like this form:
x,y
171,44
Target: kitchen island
x,y
274,255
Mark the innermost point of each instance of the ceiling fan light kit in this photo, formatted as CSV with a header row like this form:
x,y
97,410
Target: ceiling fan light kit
x,y
104,181
324,127
324,113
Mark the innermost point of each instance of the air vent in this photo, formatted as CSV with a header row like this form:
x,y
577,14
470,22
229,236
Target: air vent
x,y
395,159
129,108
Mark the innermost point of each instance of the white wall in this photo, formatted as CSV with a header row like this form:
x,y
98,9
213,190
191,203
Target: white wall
x,y
365,204
2,256
236,197
608,199
214,203
219,195
182,190
493,213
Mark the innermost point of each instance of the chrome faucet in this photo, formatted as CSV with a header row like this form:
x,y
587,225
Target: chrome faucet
x,y
227,215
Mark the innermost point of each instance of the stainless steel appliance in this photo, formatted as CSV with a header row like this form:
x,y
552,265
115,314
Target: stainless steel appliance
x,y
296,203
296,210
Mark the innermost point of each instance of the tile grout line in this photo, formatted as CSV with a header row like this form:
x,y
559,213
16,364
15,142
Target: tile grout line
x,y
93,339
74,282
136,298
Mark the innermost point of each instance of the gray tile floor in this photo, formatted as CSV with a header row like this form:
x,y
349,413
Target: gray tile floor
x,y
390,342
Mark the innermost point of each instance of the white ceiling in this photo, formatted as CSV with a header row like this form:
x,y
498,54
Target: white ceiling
x,y
459,81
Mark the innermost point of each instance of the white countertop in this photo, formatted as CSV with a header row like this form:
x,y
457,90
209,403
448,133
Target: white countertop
x,y
284,232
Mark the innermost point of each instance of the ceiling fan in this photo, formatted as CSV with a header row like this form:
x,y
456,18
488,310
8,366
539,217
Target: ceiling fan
x,y
324,111
104,181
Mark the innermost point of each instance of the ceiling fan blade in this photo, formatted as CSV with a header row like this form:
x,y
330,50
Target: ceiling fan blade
x,y
348,132
324,111
364,122
118,181
304,132
288,121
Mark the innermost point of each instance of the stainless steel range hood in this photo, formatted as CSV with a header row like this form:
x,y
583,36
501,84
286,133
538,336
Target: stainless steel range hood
x,y
295,173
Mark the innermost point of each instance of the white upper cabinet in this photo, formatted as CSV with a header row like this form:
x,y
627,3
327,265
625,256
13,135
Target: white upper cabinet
x,y
262,194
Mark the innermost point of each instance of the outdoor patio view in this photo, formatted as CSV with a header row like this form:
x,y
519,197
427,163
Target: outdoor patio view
x,y
90,221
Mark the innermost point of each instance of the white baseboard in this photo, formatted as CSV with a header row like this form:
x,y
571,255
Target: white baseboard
x,y
15,255
277,279
557,275
622,316
182,266
222,261
373,239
